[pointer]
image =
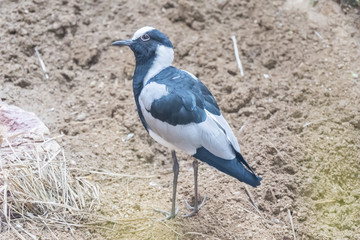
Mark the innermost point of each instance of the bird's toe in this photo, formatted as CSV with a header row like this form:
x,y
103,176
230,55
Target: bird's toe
x,y
195,209
168,215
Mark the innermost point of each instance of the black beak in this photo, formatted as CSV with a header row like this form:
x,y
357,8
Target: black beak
x,y
121,43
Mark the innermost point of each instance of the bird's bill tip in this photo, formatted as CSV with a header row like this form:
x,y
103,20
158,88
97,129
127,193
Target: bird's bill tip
x,y
120,43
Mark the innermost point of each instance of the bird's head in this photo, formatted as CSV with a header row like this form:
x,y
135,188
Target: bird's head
x,y
148,43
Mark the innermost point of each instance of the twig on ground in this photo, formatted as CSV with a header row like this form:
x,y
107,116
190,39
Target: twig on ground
x,y
253,203
53,138
248,211
17,232
251,197
30,235
12,149
325,201
119,175
42,63
179,234
5,207
202,234
237,56
242,128
292,224
116,220
51,232
277,150
258,215
140,229
318,34
90,121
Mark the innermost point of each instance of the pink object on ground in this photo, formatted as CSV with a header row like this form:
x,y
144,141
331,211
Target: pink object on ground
x,y
21,128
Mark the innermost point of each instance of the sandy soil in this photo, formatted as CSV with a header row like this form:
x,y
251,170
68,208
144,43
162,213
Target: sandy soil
x,y
296,112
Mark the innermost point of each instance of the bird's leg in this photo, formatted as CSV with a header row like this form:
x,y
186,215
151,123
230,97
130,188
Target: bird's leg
x,y
196,207
176,174
174,210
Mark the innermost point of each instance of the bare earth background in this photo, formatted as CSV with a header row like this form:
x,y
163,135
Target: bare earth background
x,y
298,125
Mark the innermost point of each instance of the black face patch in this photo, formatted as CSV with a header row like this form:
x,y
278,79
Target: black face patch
x,y
145,46
144,50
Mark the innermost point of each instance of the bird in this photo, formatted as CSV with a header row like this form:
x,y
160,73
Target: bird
x,y
179,112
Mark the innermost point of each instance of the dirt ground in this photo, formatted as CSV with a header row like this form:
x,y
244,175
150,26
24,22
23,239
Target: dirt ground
x,y
295,112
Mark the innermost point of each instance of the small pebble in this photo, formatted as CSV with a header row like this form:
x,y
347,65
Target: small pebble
x,y
306,124
81,117
128,137
92,84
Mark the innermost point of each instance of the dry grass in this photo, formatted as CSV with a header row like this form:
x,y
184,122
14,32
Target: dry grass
x,y
39,189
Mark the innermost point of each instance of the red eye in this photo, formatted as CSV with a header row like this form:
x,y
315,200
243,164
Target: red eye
x,y
145,37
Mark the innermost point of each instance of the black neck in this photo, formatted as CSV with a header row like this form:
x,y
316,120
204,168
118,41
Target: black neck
x,y
141,69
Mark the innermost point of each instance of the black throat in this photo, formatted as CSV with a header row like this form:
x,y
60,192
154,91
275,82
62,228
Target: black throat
x,y
141,70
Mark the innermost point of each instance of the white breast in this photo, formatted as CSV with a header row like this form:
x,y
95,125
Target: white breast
x,y
163,59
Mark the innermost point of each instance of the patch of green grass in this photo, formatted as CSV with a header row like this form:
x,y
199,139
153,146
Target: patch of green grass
x,y
352,3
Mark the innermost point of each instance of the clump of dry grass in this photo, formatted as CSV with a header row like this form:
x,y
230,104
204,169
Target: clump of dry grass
x,y
37,187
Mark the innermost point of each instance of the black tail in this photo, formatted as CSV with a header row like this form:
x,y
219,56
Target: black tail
x,y
242,160
234,168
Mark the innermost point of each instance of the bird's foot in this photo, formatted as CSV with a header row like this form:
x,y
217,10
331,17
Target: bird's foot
x,y
168,215
195,209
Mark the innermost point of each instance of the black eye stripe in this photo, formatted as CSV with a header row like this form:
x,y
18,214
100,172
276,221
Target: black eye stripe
x,y
145,37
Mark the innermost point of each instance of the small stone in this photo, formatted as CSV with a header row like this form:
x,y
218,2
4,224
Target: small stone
x,y
86,21
356,122
92,84
152,183
137,207
269,63
168,5
222,3
247,111
68,75
269,196
23,83
81,117
23,32
12,30
296,114
232,68
298,74
128,137
290,170
198,16
149,157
